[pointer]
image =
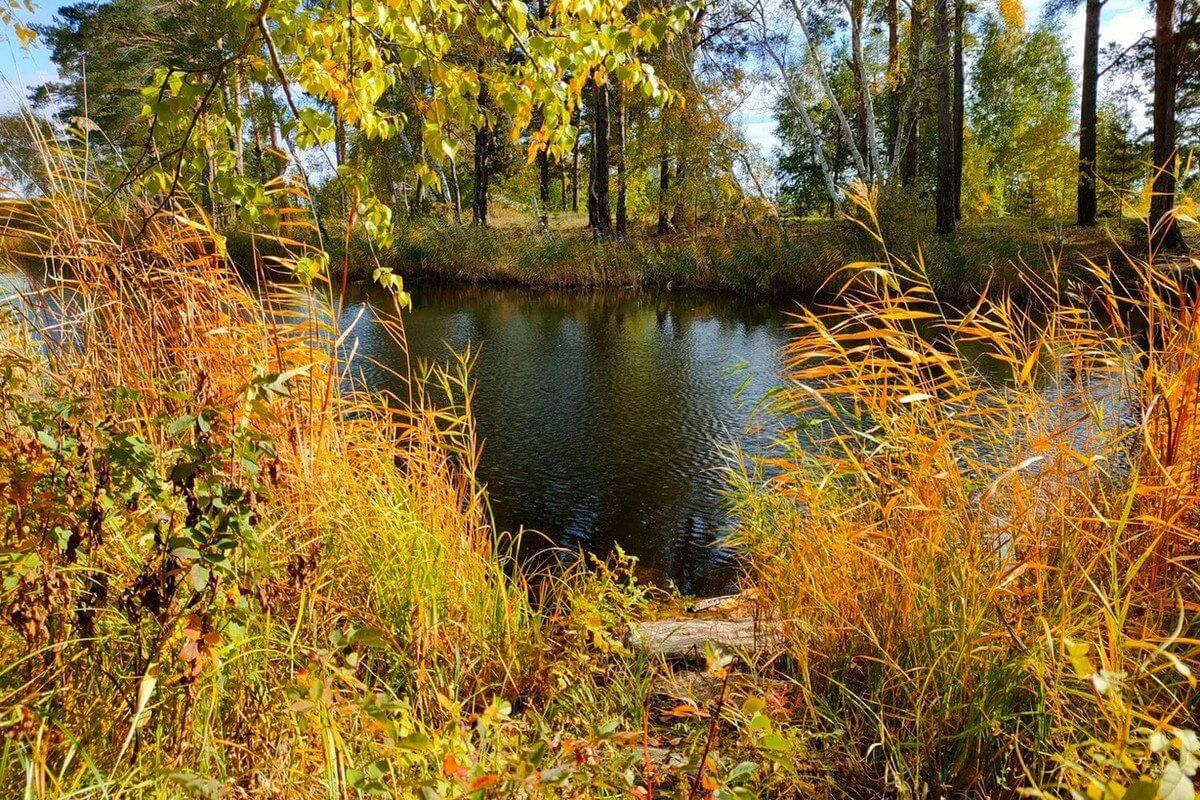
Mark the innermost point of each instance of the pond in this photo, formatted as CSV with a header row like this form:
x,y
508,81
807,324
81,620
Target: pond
x,y
605,416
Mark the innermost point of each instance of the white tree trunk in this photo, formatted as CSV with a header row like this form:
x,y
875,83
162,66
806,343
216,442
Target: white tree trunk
x,y
816,56
856,42
797,103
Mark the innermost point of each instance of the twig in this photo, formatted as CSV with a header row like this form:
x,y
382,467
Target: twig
x,y
1119,57
648,776
712,736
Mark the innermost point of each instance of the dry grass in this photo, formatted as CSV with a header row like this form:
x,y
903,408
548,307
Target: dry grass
x,y
984,583
222,577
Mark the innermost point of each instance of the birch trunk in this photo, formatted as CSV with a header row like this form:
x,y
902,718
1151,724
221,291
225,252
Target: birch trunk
x,y
815,54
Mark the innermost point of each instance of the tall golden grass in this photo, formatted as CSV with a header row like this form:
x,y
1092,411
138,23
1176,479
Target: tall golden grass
x,y
982,543
223,576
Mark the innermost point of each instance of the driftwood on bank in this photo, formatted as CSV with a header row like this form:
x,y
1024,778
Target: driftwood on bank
x,y
686,638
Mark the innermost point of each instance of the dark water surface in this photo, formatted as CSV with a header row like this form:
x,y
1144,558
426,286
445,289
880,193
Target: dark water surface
x,y
605,416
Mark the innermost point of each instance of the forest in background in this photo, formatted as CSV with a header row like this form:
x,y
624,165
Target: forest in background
x,y
972,111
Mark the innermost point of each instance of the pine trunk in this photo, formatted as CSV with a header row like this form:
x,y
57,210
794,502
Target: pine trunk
x,y
622,216
479,198
944,199
598,195
1165,233
960,85
483,142
562,185
664,189
543,159
575,167
591,175
1085,198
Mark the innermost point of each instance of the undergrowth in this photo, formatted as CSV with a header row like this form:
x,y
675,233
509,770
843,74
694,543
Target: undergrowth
x,y
804,264
222,577
987,587
740,261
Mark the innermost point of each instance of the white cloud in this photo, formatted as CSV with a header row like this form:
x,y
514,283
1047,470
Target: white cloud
x,y
760,133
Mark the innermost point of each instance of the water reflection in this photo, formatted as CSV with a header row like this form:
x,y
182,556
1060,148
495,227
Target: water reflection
x,y
603,415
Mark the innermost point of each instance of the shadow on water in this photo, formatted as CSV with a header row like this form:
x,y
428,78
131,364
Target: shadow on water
x,y
604,416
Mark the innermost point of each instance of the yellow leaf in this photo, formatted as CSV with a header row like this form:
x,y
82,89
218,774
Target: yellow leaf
x,y
1013,13
26,35
1032,361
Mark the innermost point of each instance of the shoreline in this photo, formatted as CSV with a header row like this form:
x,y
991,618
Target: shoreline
x,y
984,254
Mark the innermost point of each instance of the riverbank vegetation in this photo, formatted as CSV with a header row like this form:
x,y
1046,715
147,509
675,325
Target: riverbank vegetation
x,y
984,584
223,574
666,175
222,578
808,263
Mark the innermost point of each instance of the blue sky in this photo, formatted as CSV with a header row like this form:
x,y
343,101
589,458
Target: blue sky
x,y
1124,22
20,67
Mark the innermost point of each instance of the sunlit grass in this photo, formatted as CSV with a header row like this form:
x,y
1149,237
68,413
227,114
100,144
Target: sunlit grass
x,y
981,582
221,574
225,577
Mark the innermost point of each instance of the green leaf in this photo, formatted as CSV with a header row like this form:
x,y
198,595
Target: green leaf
x,y
775,742
741,771
760,723
415,741
752,706
198,577
1141,790
369,637
185,552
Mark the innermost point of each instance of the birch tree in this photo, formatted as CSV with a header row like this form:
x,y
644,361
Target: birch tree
x,y
796,52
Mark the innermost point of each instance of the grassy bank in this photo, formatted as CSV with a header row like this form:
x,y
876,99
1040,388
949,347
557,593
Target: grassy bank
x,y
220,578
805,263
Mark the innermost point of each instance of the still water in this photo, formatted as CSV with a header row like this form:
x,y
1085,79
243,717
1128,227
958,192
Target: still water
x,y
606,416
